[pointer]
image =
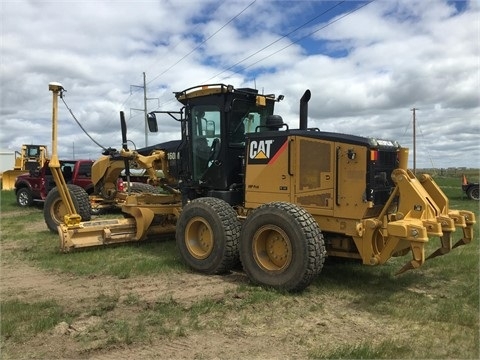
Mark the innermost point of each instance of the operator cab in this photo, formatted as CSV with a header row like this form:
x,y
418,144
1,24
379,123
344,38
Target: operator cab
x,y
209,159
218,117
218,140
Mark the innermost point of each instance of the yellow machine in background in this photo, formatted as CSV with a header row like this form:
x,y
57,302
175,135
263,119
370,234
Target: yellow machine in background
x,y
29,158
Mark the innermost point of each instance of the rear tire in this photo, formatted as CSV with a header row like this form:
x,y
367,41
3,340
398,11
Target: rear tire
x,y
54,209
24,197
207,235
281,246
473,193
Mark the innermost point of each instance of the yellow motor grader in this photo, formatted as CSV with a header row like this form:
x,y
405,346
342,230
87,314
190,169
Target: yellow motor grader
x,y
241,185
29,158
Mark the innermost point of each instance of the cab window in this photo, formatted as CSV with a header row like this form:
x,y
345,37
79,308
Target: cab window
x,y
206,135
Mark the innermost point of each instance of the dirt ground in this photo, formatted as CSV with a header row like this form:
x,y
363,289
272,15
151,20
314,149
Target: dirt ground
x,y
336,322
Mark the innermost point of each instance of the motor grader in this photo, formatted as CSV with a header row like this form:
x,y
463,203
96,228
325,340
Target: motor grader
x,y
244,186
29,158
113,166
106,189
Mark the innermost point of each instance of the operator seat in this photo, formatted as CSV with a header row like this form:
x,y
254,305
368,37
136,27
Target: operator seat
x,y
201,148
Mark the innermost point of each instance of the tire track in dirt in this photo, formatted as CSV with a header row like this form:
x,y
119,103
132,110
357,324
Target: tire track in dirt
x,y
26,282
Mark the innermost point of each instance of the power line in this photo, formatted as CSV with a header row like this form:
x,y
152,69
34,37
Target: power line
x,y
170,49
154,62
203,42
280,38
274,42
306,36
80,125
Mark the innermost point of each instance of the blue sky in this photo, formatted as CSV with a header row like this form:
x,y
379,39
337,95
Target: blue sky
x,y
366,69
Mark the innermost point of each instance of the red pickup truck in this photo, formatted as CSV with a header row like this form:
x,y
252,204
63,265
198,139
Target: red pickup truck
x,y
34,187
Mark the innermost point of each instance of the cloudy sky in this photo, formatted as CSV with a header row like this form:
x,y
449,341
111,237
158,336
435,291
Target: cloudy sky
x,y
367,65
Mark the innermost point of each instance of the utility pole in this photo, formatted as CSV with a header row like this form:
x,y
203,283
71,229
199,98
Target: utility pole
x,y
145,112
144,87
414,142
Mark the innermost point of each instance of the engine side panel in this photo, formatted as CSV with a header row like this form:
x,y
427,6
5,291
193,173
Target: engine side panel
x,y
267,166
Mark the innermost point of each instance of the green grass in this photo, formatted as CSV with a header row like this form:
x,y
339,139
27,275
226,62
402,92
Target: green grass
x,y
104,303
385,350
8,201
22,320
120,261
437,304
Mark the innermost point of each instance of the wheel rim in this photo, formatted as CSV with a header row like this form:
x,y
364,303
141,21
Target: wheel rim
x,y
58,211
23,198
272,248
199,238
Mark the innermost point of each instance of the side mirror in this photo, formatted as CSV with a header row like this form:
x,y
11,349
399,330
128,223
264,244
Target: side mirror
x,y
152,122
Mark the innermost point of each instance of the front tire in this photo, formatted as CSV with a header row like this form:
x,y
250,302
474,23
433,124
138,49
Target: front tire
x,y
24,197
207,235
54,209
281,246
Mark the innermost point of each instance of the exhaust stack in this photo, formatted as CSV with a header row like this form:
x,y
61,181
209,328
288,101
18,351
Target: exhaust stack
x,y
304,109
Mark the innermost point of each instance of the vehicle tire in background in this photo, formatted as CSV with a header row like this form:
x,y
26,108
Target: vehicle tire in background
x,y
54,209
473,193
24,197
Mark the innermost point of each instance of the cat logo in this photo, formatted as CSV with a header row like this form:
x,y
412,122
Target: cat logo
x,y
260,150
266,151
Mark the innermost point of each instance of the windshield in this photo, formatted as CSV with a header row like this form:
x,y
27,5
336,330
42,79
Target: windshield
x,y
246,118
